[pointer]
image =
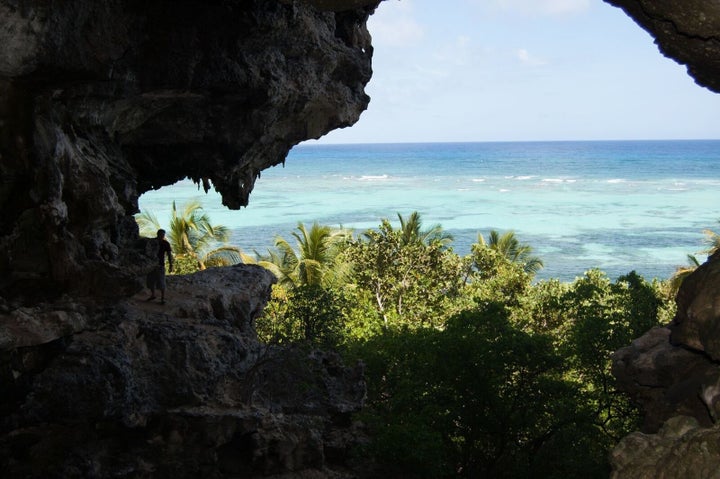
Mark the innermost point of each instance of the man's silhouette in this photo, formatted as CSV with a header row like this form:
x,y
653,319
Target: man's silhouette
x,y
156,277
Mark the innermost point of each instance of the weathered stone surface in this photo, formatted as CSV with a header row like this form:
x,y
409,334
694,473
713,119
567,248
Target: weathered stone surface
x,y
673,370
666,379
673,373
680,449
103,100
99,102
182,389
697,323
336,5
687,31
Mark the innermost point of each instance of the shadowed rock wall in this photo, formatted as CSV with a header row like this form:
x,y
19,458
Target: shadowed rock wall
x,y
673,372
184,390
100,101
687,31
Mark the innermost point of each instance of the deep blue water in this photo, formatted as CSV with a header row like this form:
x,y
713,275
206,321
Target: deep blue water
x,y
615,205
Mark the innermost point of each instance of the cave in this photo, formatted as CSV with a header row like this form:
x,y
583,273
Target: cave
x,y
101,101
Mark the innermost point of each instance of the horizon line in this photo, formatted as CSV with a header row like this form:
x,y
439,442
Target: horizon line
x,y
318,142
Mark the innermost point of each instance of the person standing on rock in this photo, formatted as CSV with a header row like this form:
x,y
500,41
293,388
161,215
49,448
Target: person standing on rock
x,y
156,277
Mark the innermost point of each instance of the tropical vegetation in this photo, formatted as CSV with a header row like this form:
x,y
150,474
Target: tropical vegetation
x,y
315,262
473,367
712,240
196,242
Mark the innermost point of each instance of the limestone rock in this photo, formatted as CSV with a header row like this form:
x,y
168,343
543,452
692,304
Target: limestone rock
x,y
685,31
680,449
665,379
101,101
697,323
182,389
672,372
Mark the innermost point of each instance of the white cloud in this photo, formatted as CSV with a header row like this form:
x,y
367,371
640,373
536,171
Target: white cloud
x,y
526,59
565,6
547,7
455,52
394,25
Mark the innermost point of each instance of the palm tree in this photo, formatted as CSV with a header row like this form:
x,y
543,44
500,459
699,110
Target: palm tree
x,y
192,234
712,239
316,262
680,274
508,246
412,231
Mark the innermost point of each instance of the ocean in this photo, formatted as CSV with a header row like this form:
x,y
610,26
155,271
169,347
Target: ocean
x,y
614,205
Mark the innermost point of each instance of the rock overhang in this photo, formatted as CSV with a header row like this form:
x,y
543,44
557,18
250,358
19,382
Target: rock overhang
x,y
102,101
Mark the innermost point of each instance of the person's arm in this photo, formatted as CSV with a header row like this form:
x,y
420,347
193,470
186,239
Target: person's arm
x,y
170,259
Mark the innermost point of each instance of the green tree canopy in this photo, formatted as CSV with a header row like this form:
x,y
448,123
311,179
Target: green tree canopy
x,y
193,236
411,281
314,260
473,370
412,231
510,247
480,398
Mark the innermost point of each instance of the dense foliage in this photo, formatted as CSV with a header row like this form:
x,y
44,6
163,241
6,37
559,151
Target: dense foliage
x,y
195,241
473,368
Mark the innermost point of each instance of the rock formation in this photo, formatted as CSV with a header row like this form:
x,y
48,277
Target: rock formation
x,y
674,374
139,389
101,101
687,31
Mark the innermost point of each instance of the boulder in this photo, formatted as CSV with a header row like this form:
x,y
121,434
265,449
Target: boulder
x,y
185,389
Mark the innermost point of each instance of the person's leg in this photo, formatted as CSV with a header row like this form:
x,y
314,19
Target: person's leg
x,y
161,285
151,285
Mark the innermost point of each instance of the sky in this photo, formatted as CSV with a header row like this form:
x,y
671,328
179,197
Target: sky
x,y
523,70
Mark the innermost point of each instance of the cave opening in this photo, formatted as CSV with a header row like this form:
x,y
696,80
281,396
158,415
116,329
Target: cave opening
x,y
87,362
200,229
454,93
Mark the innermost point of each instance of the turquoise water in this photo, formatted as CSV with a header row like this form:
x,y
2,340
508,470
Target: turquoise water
x,y
617,206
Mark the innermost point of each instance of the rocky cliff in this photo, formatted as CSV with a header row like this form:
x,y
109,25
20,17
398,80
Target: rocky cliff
x,y
687,31
101,101
674,372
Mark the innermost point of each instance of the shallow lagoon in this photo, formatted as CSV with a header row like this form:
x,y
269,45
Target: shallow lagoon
x,y
617,206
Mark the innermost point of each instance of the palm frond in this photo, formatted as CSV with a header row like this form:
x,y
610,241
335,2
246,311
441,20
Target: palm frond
x,y
222,256
147,223
680,275
510,247
712,239
413,233
313,258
